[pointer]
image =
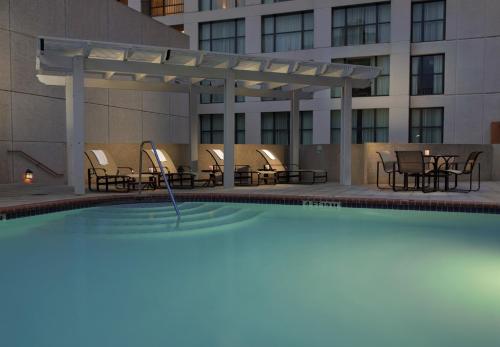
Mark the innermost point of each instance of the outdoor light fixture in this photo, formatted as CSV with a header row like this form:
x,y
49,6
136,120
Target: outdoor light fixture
x,y
28,176
427,152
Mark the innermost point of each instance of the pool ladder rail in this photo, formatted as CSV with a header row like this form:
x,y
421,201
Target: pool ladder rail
x,y
162,169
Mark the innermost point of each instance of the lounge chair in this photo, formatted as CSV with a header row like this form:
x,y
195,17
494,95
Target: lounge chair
x,y
412,164
243,175
105,172
467,170
389,164
286,175
176,178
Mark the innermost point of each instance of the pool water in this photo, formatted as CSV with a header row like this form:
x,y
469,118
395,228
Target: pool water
x,y
250,275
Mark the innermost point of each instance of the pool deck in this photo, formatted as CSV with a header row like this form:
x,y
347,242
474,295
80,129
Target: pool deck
x,y
21,200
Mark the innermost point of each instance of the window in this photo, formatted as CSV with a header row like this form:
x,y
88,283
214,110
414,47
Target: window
x,y
211,128
360,25
426,125
166,7
226,36
306,127
369,125
208,5
239,136
378,87
274,128
288,32
428,21
223,36
427,74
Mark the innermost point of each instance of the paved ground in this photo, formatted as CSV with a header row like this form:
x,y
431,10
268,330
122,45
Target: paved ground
x,y
15,195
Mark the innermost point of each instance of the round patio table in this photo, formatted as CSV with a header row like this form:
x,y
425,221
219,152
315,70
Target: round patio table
x,y
447,158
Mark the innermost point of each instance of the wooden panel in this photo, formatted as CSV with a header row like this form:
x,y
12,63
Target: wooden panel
x,y
495,132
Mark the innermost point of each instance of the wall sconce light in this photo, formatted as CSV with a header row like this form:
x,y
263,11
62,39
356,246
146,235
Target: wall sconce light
x,y
28,176
319,149
427,152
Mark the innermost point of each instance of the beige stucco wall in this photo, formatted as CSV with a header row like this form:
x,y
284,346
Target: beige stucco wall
x,y
32,115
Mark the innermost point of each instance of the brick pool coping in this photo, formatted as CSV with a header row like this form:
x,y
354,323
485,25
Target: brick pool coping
x,y
26,210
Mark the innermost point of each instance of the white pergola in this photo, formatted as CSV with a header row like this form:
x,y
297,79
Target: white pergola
x,y
76,64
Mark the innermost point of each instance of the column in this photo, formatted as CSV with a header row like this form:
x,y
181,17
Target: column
x,y
346,133
194,129
229,129
75,127
295,129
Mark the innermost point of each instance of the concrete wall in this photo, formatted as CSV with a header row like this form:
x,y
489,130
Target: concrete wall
x,y
365,158
32,115
472,79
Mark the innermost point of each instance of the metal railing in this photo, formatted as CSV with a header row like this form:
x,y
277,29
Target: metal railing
x,y
162,170
37,163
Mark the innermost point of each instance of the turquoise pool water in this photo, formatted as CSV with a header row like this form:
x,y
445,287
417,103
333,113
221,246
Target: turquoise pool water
x,y
250,275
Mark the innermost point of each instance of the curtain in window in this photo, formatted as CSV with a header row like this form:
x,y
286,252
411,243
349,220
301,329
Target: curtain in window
x,y
438,69
384,63
288,33
382,125
384,20
281,131
434,17
335,126
240,128
267,126
306,126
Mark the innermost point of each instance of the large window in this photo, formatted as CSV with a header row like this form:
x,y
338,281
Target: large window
x,y
239,128
360,25
428,21
288,32
370,125
275,128
379,86
306,127
207,5
223,36
211,128
226,36
427,74
426,125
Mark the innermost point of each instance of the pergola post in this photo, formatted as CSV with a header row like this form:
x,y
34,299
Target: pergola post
x,y
295,128
346,133
75,126
194,129
229,94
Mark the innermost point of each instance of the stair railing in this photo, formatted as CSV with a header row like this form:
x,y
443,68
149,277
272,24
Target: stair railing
x,y
162,169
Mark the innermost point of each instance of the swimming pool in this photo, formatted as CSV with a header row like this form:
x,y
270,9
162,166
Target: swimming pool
x,y
250,275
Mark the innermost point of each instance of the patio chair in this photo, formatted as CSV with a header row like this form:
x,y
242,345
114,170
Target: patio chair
x,y
105,172
287,175
412,164
181,177
242,173
389,164
467,170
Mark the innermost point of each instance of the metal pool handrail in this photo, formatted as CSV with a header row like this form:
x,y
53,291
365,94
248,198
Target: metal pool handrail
x,y
162,169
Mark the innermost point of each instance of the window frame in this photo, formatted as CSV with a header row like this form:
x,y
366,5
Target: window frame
x,y
357,129
211,131
274,34
237,3
274,129
422,128
235,37
346,26
419,76
423,21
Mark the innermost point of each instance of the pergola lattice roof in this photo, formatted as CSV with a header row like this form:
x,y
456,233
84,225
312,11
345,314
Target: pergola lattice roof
x,y
151,68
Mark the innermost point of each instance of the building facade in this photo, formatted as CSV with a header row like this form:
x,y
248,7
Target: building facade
x,y
439,82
